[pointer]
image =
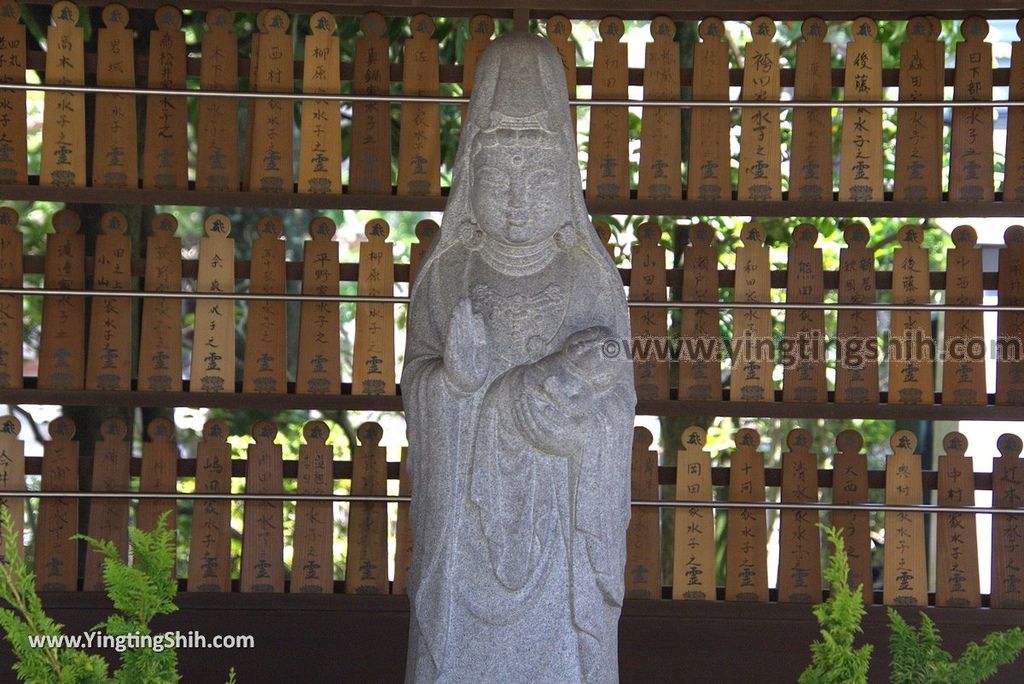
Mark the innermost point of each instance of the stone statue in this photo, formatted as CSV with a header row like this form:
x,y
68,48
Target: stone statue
x,y
520,418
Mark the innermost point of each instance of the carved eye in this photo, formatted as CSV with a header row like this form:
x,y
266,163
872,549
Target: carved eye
x,y
493,178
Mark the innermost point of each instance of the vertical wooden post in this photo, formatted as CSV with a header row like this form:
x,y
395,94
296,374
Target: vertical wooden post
x,y
12,478
760,134
803,352
56,554
62,338
1013,186
753,357
108,518
1010,326
643,545
209,559
799,576
419,140
217,162
262,536
373,356
320,138
963,368
318,370
709,170
700,365
693,565
312,564
746,577
62,161
608,153
426,231
213,343
159,475
661,175
369,168
109,362
649,327
956,574
403,531
13,127
266,359
272,120
918,173
115,157
857,329
970,146
911,346
11,306
366,571
905,579
165,162
810,157
559,32
860,155
1008,530
481,28
160,337
850,486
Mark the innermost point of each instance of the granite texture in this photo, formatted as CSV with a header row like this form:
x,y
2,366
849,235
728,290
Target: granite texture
x,y
519,425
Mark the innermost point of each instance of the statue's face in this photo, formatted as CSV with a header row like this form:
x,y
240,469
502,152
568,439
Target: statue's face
x,y
521,194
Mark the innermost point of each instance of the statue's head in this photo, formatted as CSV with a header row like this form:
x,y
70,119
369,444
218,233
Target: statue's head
x,y
518,153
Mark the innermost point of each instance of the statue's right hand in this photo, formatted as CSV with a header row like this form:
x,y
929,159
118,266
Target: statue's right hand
x,y
466,358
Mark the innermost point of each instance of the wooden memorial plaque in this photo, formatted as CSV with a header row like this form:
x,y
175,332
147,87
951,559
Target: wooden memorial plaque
x,y
254,61
159,475
803,347
109,361
700,369
661,149
850,486
62,161
108,518
373,356
1013,185
13,127
217,162
403,530
810,157
643,537
963,369
369,169
918,173
56,553
12,478
115,156
608,154
857,329
419,140
11,306
209,560
693,567
760,134
911,346
262,538
860,154
604,236
1010,326
165,161
160,335
799,546
559,31
649,326
754,355
213,344
956,575
318,370
270,157
481,28
366,571
312,562
1008,530
905,577
746,576
970,146
426,231
709,174
62,338
266,358
320,139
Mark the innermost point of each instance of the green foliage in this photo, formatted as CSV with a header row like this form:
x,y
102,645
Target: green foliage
x,y
834,660
139,593
918,657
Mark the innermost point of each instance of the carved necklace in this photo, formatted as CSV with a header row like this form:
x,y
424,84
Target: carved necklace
x,y
518,260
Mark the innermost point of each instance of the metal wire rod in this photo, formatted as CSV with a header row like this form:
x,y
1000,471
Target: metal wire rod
x,y
457,100
367,299
370,498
